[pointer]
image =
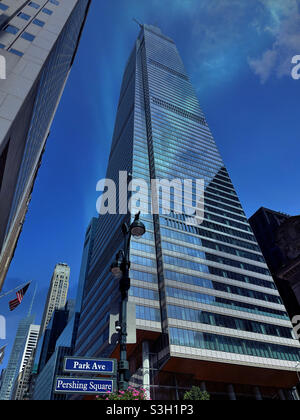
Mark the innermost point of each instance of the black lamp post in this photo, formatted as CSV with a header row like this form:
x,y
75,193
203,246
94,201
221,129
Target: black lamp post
x,y
120,269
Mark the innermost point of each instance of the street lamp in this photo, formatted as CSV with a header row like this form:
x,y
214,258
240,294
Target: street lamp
x,y
120,269
116,265
137,228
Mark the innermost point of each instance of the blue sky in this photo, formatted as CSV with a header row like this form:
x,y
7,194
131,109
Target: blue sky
x,y
238,55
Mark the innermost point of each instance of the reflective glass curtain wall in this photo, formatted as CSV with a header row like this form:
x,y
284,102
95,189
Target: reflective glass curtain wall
x,y
205,287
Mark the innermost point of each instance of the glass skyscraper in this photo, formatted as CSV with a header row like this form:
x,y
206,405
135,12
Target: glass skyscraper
x,y
208,311
22,382
16,360
38,43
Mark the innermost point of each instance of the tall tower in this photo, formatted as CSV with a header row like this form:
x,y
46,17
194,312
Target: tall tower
x,y
38,44
208,311
57,293
22,381
21,357
17,357
30,345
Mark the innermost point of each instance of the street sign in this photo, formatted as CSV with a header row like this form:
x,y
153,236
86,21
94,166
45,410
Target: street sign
x,y
85,365
70,385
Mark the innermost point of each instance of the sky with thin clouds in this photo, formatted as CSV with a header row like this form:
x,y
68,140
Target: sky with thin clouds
x,y
238,55
284,28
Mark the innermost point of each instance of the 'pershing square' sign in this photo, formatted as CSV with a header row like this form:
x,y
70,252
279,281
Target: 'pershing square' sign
x,y
69,385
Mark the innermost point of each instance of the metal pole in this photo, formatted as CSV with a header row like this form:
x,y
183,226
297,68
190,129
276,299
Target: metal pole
x,y
14,290
146,367
298,364
124,287
296,387
123,364
137,229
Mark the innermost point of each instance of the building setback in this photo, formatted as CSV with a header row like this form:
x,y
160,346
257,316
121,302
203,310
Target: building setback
x,y
208,311
38,43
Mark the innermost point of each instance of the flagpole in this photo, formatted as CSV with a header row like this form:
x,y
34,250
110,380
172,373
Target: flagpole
x,y
32,301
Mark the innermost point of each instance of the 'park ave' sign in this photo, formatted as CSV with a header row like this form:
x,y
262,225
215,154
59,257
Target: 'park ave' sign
x,y
100,367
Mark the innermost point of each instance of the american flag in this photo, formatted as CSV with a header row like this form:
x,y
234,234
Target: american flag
x,y
13,304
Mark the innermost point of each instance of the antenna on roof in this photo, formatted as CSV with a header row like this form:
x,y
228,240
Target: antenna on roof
x,y
32,302
136,21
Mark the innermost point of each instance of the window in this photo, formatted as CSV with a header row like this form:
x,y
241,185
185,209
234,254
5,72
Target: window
x,y
199,340
150,314
38,22
28,36
2,46
11,29
54,2
16,52
3,6
34,5
24,16
47,11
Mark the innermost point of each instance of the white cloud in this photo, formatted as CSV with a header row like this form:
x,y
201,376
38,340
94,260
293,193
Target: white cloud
x,y
224,33
285,28
264,66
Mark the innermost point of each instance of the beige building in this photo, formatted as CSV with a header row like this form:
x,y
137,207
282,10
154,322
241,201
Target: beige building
x,y
57,294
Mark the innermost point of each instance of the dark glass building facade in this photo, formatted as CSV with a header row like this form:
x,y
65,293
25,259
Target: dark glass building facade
x,y
208,311
265,224
64,346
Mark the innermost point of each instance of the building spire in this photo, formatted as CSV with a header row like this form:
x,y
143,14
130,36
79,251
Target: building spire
x,y
32,301
136,21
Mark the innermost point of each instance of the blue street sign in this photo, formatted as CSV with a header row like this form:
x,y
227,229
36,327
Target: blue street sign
x,y
84,365
70,385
